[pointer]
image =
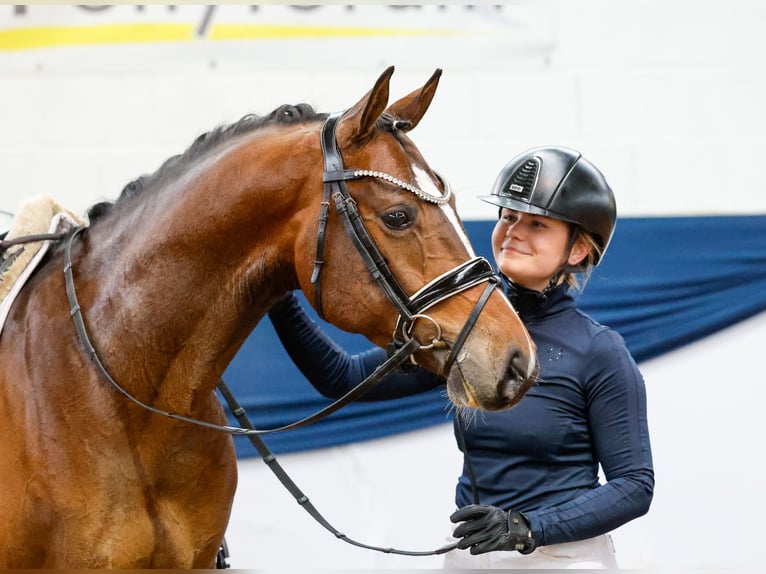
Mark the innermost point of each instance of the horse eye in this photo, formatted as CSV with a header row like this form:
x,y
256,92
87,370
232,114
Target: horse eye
x,y
396,220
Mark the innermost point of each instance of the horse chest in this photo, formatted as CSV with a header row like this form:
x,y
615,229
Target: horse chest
x,y
144,522
161,498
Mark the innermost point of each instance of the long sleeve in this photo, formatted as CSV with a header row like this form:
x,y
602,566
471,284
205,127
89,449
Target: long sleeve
x,y
618,426
332,370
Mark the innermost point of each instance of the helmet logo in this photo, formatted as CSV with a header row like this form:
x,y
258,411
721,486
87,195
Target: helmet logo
x,y
524,179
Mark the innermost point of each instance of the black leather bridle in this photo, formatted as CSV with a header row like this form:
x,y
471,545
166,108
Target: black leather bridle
x,y
464,276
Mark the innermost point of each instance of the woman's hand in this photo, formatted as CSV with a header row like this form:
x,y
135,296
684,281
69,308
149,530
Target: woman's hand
x,y
487,528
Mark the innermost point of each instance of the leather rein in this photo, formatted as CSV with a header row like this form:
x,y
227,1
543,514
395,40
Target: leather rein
x,y
464,276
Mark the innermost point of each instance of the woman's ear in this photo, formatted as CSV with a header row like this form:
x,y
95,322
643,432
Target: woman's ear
x,y
579,252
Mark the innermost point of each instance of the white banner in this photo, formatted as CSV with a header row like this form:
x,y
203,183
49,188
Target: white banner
x,y
288,34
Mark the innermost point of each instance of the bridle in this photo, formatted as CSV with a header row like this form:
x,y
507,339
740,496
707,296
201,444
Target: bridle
x,y
464,276
404,345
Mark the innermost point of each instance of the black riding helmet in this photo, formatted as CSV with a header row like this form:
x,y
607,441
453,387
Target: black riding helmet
x,y
560,183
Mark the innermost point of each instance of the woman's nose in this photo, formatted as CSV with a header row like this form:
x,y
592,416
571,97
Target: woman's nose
x,y
514,229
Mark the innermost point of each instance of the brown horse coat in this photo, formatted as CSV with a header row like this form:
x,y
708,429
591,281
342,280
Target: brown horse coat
x,y
171,281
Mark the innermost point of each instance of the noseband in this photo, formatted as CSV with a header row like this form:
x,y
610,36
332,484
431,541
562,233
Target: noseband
x,y
464,276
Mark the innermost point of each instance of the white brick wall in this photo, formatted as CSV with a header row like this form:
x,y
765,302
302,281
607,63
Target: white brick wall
x,y
666,96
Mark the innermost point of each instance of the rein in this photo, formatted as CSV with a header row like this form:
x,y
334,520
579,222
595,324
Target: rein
x,y
6,243
394,361
303,500
246,428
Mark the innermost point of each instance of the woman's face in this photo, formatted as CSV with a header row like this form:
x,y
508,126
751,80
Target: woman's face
x,y
529,249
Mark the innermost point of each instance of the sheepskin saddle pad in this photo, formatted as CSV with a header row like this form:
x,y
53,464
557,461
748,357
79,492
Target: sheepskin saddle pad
x,y
17,262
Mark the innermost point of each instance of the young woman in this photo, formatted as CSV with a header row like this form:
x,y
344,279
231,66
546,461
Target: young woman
x,y
530,495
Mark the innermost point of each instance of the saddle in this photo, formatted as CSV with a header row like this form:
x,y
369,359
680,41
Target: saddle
x,y
17,262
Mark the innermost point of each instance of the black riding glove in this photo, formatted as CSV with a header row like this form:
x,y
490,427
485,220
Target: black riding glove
x,y
487,528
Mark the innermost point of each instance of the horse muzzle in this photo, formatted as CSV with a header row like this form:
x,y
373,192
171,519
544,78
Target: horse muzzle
x,y
513,375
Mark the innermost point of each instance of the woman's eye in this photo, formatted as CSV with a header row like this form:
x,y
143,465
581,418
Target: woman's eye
x,y
397,219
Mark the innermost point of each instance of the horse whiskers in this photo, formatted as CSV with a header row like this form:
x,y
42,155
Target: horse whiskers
x,y
449,406
468,415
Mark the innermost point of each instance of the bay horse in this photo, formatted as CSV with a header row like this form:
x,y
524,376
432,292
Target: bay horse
x,y
170,280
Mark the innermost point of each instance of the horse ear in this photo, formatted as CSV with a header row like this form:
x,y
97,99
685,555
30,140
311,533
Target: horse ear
x,y
359,121
410,109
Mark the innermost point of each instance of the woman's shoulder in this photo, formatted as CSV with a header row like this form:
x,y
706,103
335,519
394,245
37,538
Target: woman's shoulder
x,y
602,339
589,323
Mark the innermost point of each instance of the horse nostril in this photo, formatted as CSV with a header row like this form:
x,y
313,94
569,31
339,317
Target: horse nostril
x,y
514,371
517,366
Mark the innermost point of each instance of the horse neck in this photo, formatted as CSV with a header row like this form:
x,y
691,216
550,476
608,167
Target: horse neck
x,y
176,285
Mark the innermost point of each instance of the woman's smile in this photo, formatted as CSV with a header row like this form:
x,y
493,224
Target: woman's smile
x,y
511,248
528,248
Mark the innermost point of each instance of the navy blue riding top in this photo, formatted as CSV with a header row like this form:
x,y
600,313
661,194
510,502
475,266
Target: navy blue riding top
x,y
541,457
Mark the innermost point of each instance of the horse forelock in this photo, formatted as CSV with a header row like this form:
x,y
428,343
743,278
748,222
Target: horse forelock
x,y
173,167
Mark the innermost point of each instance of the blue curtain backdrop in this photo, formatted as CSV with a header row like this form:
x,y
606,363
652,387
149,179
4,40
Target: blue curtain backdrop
x,y
664,283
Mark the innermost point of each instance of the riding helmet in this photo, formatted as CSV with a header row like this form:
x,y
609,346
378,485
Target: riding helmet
x,y
558,182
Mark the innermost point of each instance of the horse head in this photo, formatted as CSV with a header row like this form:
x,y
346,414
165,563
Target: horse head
x,y
274,203
420,249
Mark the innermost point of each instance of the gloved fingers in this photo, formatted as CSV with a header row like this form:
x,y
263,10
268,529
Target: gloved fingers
x,y
482,547
469,527
472,539
471,512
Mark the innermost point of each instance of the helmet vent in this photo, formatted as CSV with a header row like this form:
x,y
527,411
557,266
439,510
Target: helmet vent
x,y
523,182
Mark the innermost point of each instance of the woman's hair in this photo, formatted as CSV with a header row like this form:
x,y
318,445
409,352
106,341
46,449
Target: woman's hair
x,y
577,277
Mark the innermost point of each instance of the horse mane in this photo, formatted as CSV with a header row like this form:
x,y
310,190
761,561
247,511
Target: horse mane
x,y
285,114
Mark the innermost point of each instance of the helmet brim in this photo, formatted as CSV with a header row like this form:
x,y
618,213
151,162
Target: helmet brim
x,y
522,206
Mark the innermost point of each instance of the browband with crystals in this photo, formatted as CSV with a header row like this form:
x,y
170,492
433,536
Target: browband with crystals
x,y
409,187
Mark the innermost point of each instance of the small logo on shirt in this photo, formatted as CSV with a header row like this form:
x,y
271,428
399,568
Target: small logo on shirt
x,y
553,354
